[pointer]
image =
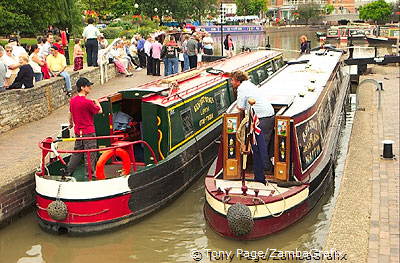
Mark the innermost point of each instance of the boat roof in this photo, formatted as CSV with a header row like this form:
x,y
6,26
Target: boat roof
x,y
289,85
158,92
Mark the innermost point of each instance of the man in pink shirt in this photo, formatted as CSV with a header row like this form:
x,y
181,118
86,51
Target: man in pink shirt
x,y
156,54
82,111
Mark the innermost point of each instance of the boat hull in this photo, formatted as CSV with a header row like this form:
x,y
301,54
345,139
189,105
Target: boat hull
x,y
268,225
381,41
144,193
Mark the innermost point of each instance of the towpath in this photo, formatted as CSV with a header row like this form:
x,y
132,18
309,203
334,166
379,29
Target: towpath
x,y
365,222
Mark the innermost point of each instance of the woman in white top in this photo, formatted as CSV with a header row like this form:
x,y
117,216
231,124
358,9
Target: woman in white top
x,y
12,64
36,62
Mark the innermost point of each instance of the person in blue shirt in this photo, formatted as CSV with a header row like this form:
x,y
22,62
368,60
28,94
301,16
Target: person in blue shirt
x,y
140,50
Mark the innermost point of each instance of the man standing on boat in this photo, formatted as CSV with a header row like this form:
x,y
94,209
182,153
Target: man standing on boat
x,y
81,117
263,109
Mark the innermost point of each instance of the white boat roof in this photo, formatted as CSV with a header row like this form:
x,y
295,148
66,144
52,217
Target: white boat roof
x,y
287,85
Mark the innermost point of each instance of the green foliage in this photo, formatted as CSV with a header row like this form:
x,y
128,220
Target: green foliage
x,y
123,24
127,33
30,17
329,9
250,7
308,11
182,9
378,11
112,32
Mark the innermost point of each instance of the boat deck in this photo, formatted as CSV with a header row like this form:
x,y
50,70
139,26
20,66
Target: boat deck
x,y
301,84
271,189
200,78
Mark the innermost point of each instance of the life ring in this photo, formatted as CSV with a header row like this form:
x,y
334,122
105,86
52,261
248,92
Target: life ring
x,y
121,153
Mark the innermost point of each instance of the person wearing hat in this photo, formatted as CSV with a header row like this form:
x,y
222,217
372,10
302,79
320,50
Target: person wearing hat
x,y
57,64
81,118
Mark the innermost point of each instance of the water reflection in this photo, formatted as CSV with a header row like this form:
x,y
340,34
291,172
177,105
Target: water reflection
x,y
171,234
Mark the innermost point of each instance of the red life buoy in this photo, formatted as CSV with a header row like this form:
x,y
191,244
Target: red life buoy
x,y
121,153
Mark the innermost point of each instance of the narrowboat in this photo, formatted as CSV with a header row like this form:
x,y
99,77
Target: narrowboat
x,y
384,35
308,97
233,29
153,141
354,31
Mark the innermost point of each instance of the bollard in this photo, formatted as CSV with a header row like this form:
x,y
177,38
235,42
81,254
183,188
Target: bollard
x,y
388,149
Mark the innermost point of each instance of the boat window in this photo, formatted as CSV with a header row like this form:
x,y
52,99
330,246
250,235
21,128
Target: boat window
x,y
261,74
187,121
339,76
253,76
278,63
221,100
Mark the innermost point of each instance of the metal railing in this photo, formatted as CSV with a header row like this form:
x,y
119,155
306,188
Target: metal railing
x,y
48,146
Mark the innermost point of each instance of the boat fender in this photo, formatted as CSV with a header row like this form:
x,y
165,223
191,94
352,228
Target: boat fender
x,y
240,220
121,153
57,210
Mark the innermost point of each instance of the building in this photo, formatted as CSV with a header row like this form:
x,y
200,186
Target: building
x,y
284,9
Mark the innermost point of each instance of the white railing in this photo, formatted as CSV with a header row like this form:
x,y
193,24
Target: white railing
x,y
103,61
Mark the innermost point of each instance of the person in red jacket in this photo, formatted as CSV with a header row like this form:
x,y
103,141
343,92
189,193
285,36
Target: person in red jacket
x,y
82,111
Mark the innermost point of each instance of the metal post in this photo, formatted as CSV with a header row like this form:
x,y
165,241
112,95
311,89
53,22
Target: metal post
x,y
222,32
398,39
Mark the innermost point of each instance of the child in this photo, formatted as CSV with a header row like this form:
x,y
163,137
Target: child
x,y
78,55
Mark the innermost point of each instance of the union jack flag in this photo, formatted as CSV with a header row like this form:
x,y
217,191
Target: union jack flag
x,y
255,122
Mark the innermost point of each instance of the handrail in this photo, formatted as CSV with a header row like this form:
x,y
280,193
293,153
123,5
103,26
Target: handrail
x,y
190,90
47,145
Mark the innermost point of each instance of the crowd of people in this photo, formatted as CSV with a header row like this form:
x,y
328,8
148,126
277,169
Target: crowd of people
x,y
148,52
22,66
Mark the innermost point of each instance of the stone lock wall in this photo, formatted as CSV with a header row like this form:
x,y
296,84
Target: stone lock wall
x,y
25,105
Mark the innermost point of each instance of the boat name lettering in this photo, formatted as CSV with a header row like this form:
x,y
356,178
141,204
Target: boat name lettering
x,y
201,101
309,140
206,119
204,110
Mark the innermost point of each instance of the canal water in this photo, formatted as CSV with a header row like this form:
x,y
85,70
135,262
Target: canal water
x,y
178,231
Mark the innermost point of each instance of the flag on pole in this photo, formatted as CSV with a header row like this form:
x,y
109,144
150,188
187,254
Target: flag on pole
x,y
259,148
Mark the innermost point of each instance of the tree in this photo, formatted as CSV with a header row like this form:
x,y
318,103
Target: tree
x,y
329,9
257,6
308,11
250,7
30,17
378,11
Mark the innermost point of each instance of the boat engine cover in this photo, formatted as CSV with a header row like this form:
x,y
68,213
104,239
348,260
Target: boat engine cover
x,y
240,220
57,210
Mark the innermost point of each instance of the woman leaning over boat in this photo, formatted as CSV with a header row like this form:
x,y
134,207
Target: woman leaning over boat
x,y
264,111
304,44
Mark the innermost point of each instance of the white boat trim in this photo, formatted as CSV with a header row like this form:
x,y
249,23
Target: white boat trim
x,y
82,190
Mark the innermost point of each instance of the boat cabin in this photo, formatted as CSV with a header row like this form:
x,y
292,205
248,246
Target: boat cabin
x,y
304,97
